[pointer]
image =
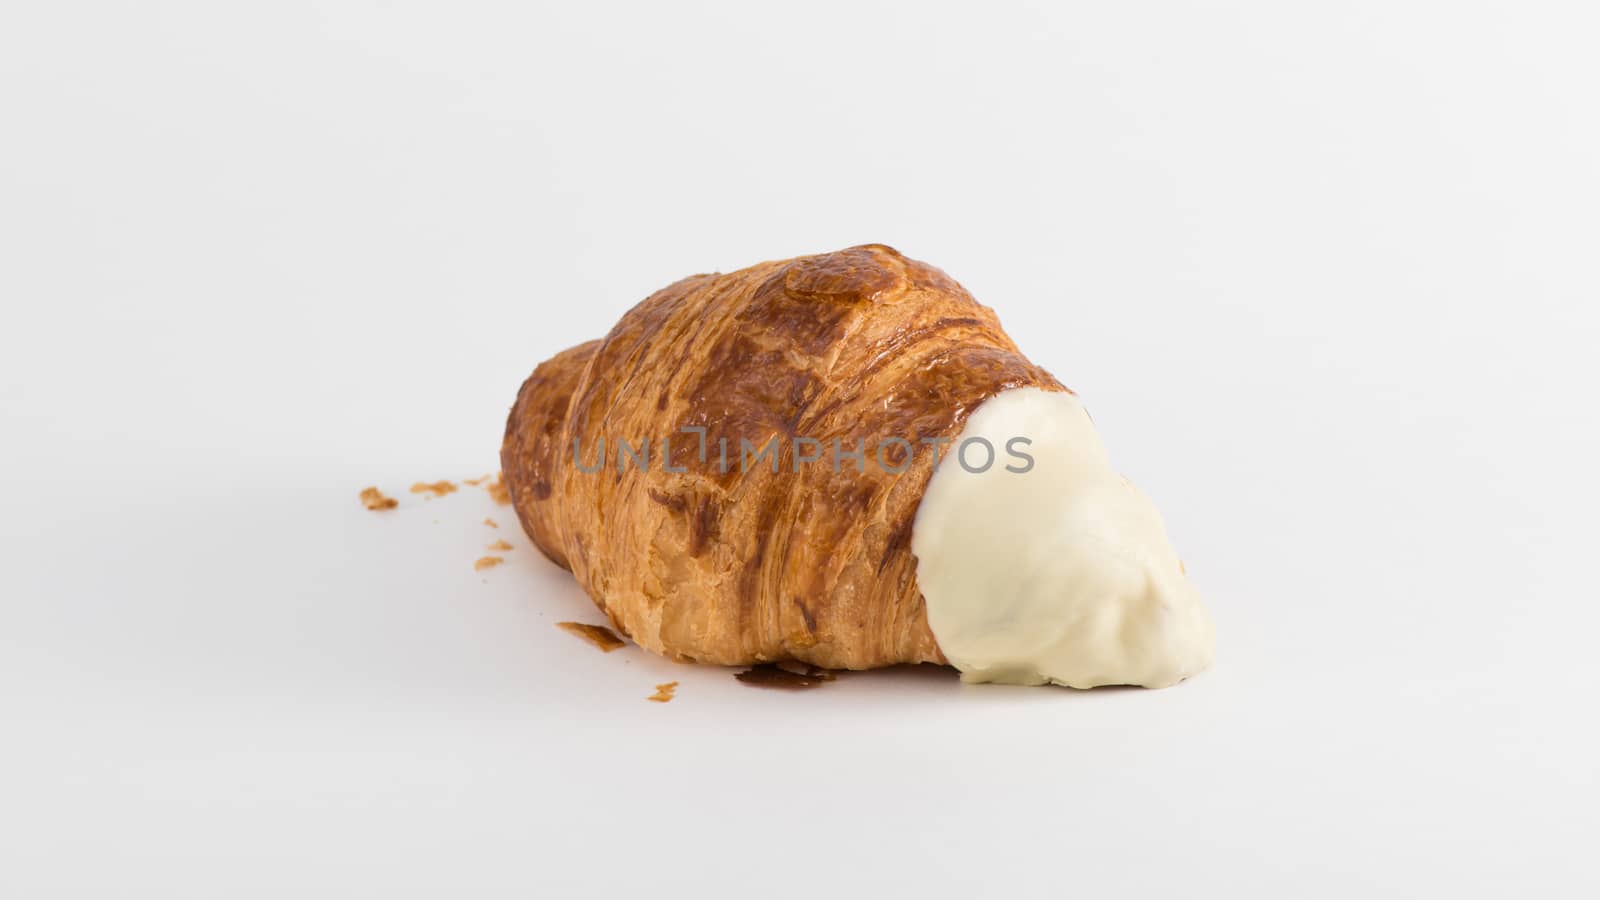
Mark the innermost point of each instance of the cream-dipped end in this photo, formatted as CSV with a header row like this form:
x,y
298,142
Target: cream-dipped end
x,y
1045,565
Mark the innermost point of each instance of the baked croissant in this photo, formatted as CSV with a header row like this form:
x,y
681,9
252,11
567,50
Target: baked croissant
x,y
782,463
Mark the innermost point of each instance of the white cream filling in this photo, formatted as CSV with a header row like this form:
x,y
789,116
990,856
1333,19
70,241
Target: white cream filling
x,y
1060,574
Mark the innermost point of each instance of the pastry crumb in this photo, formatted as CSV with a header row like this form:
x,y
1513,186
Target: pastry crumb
x,y
487,562
499,545
477,481
663,692
491,523
497,490
437,489
598,635
374,499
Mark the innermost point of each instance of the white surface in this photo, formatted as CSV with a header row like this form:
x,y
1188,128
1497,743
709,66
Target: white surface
x,y
1325,279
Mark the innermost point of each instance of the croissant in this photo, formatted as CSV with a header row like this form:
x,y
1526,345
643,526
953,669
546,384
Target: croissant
x,y
844,461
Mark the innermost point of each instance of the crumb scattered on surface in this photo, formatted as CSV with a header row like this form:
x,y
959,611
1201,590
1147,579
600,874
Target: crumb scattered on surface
x,y
497,490
437,489
372,498
499,545
491,523
477,481
487,562
663,692
786,676
1182,568
598,635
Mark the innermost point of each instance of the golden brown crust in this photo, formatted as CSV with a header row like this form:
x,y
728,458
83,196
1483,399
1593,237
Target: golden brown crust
x,y
532,451
812,562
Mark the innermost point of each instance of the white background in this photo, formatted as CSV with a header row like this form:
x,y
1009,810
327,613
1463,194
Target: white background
x,y
1325,274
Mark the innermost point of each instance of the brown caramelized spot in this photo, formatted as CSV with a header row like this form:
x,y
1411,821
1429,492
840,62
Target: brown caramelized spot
x,y
487,562
374,499
437,489
663,692
598,635
497,490
704,527
785,676
674,502
806,616
499,545
899,541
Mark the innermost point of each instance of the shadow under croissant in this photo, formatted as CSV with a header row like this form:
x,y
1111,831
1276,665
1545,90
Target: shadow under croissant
x,y
793,675
786,676
790,675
